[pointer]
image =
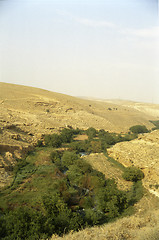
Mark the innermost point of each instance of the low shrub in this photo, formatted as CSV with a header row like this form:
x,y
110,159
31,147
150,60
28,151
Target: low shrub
x,y
139,129
133,174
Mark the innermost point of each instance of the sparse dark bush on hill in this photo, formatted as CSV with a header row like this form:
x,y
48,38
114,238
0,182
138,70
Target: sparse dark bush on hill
x,y
139,129
133,174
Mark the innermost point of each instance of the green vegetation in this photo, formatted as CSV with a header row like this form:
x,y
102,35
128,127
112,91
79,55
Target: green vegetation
x,y
53,140
139,129
55,191
91,132
133,174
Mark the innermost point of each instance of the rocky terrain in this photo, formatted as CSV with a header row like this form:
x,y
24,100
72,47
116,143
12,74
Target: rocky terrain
x,y
143,153
26,114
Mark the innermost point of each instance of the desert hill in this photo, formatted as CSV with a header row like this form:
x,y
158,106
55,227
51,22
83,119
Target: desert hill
x,y
143,153
40,111
27,113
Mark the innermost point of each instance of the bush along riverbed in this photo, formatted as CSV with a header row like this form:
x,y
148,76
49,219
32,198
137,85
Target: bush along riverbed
x,y
55,191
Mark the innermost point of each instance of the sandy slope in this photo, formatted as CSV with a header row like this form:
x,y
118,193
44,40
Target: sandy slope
x,y
40,111
143,153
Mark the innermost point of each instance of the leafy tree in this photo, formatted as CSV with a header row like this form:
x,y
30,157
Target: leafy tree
x,y
95,147
101,133
133,174
66,135
74,174
91,132
77,146
92,217
139,129
69,158
84,166
53,140
23,223
106,138
56,155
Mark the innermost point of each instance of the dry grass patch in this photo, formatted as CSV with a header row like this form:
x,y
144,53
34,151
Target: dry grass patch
x,y
81,137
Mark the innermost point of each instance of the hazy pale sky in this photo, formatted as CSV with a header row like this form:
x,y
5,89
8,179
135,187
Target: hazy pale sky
x,y
96,48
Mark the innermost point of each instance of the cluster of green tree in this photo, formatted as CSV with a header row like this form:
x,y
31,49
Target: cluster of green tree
x,y
65,136
101,139
98,140
67,195
78,197
107,139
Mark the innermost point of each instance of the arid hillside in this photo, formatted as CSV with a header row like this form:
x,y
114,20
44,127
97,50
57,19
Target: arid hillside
x,y
27,113
39,111
143,153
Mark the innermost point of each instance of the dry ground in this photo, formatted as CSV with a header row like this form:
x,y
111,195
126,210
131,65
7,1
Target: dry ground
x,y
38,111
143,153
